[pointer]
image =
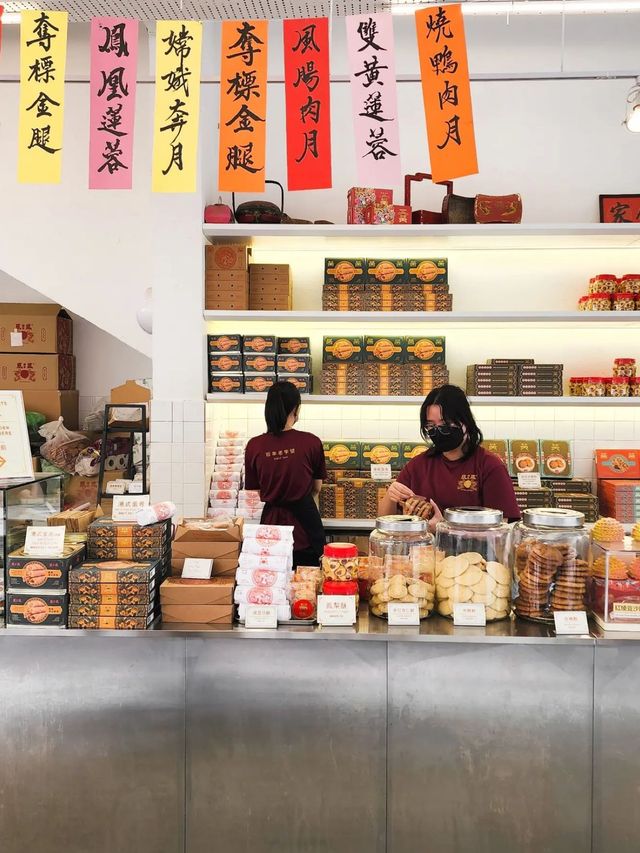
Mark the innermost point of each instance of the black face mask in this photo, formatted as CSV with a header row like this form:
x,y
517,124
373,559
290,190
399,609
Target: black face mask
x,y
443,442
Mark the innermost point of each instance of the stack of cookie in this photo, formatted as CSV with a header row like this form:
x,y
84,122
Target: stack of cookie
x,y
570,588
550,578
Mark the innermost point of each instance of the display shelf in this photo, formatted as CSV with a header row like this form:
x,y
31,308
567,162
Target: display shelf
x,y
448,318
452,237
475,401
348,523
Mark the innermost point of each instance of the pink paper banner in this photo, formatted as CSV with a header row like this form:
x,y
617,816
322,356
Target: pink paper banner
x,y
374,93
114,59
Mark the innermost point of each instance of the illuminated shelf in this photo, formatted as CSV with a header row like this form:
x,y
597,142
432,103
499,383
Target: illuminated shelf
x,y
476,401
348,523
452,237
441,318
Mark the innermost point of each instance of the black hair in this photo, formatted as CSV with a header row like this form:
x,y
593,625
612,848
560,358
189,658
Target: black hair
x,y
282,399
455,410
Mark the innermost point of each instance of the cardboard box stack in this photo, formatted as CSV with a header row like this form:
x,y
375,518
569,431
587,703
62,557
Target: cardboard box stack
x,y
386,284
36,357
264,571
618,473
250,364
507,377
118,586
227,475
383,366
270,287
207,539
37,587
227,276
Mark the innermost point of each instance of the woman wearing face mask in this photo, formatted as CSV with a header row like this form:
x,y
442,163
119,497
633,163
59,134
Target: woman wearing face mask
x,y
456,470
287,467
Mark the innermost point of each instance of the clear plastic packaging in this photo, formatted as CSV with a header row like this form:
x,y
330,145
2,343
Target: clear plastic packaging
x,y
401,564
340,562
472,566
614,584
549,553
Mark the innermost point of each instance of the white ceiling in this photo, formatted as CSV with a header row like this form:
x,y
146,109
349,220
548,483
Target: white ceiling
x,y
84,10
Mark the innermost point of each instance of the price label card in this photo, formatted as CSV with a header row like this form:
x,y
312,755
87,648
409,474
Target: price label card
x,y
126,507
45,541
336,610
135,487
194,568
261,616
469,614
381,472
529,481
17,339
403,614
571,622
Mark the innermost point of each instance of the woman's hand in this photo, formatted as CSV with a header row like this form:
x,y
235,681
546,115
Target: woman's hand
x,y
436,517
399,493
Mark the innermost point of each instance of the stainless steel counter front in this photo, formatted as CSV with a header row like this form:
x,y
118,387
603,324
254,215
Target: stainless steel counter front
x,y
377,739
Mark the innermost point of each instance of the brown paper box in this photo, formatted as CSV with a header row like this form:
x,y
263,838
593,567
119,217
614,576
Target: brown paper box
x,y
40,372
216,591
227,256
202,614
221,546
131,392
45,327
79,490
282,270
229,276
53,405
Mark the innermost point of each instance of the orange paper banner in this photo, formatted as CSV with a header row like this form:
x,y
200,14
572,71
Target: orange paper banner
x,y
446,91
243,106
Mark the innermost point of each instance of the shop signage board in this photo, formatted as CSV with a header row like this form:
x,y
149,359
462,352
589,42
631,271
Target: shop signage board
x,y
243,106
336,610
261,616
45,541
177,106
15,449
308,103
43,55
446,92
372,69
114,59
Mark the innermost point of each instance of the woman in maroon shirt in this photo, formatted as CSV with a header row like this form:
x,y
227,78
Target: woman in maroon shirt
x,y
287,467
456,470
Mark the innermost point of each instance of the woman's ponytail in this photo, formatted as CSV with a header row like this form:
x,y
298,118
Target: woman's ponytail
x,y
282,399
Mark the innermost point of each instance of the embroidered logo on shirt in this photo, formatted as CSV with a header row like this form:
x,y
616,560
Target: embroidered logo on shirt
x,y
279,454
468,483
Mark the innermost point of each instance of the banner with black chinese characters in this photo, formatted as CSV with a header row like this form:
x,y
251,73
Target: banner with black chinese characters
x,y
177,106
374,94
1,14
114,56
308,103
43,54
446,91
243,106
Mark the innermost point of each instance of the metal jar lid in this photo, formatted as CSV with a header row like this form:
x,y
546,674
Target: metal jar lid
x,y
474,516
401,524
553,518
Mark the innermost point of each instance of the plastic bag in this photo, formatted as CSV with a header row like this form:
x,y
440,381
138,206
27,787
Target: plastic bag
x,y
62,446
94,422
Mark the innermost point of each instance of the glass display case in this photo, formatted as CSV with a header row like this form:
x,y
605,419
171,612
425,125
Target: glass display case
x,y
472,565
24,503
614,585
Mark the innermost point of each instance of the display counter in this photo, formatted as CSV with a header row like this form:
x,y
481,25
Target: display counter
x,y
504,738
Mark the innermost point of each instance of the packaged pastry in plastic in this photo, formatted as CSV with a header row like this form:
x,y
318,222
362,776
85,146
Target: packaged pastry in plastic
x,y
260,595
269,532
262,578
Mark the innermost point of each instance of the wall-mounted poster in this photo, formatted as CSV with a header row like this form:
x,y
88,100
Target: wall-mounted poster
x,y
15,450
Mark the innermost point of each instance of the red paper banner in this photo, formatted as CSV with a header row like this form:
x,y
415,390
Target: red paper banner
x,y
1,13
308,103
447,94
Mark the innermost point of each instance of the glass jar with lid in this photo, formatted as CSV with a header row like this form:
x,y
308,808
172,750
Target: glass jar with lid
x,y
401,564
549,554
472,565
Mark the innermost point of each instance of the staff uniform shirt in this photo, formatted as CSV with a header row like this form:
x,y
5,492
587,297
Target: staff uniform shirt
x,y
283,468
480,480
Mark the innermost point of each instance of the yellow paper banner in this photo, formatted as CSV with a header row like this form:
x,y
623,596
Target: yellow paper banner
x,y
177,107
43,54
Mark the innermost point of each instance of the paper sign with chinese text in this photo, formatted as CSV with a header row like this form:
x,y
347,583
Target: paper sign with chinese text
x,y
177,106
571,622
15,449
336,609
446,91
243,106
197,568
399,613
114,57
43,54
374,95
529,481
469,614
126,507
308,103
261,616
45,541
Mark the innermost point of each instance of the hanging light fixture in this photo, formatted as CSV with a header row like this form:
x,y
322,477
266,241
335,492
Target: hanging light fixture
x,y
632,119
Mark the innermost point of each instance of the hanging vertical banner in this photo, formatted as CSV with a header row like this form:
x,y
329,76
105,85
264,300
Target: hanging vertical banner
x,y
1,14
43,54
446,91
177,106
114,57
308,103
243,106
375,99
